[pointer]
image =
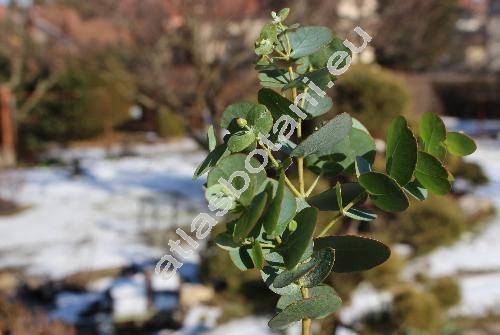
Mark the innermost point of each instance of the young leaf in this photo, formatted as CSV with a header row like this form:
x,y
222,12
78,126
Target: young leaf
x,y
328,200
250,218
322,142
401,151
432,174
307,40
433,134
299,240
316,307
460,144
354,253
384,191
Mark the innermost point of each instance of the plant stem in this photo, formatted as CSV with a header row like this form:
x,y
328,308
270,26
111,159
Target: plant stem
x,y
306,323
276,164
330,225
313,185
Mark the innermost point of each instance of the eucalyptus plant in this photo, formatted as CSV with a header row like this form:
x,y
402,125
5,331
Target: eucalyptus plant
x,y
272,220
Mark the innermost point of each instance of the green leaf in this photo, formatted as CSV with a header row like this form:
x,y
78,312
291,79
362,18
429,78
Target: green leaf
x,y
287,277
323,106
235,111
257,116
323,260
433,134
338,195
362,166
240,141
256,255
315,307
401,151
307,40
265,43
320,58
320,77
250,218
322,142
269,274
274,78
361,214
460,144
270,219
211,160
432,174
384,191
283,14
219,197
328,200
225,241
276,104
211,139
260,120
236,163
328,166
317,291
358,143
241,258
299,240
415,189
354,253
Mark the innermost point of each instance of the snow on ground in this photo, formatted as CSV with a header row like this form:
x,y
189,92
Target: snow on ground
x,y
96,221
252,326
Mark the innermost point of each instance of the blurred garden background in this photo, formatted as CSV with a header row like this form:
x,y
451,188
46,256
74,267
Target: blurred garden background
x,y
104,107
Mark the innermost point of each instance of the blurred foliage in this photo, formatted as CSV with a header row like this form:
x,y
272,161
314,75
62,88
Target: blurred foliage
x,y
447,291
428,225
470,171
372,95
170,124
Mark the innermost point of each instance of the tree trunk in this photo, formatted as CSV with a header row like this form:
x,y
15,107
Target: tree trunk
x,y
7,129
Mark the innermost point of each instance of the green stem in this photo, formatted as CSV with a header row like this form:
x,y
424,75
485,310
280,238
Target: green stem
x,y
313,185
306,323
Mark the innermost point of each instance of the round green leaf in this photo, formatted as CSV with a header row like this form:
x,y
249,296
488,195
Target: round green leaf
x,y
323,261
275,103
317,291
460,144
241,258
287,277
384,191
307,40
320,58
225,241
401,151
269,274
270,219
354,253
415,189
219,197
432,174
211,160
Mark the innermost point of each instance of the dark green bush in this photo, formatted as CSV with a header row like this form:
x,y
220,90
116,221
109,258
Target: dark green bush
x,y
372,95
447,291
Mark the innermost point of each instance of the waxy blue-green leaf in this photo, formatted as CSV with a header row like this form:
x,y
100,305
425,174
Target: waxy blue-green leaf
x,y
323,260
307,40
320,77
384,191
328,200
415,189
235,163
225,241
299,240
460,144
317,291
433,134
315,307
269,274
271,217
268,35
401,151
250,217
287,277
276,104
319,59
274,78
432,174
241,140
211,160
256,255
258,118
219,197
241,258
354,253
357,143
211,138
323,141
